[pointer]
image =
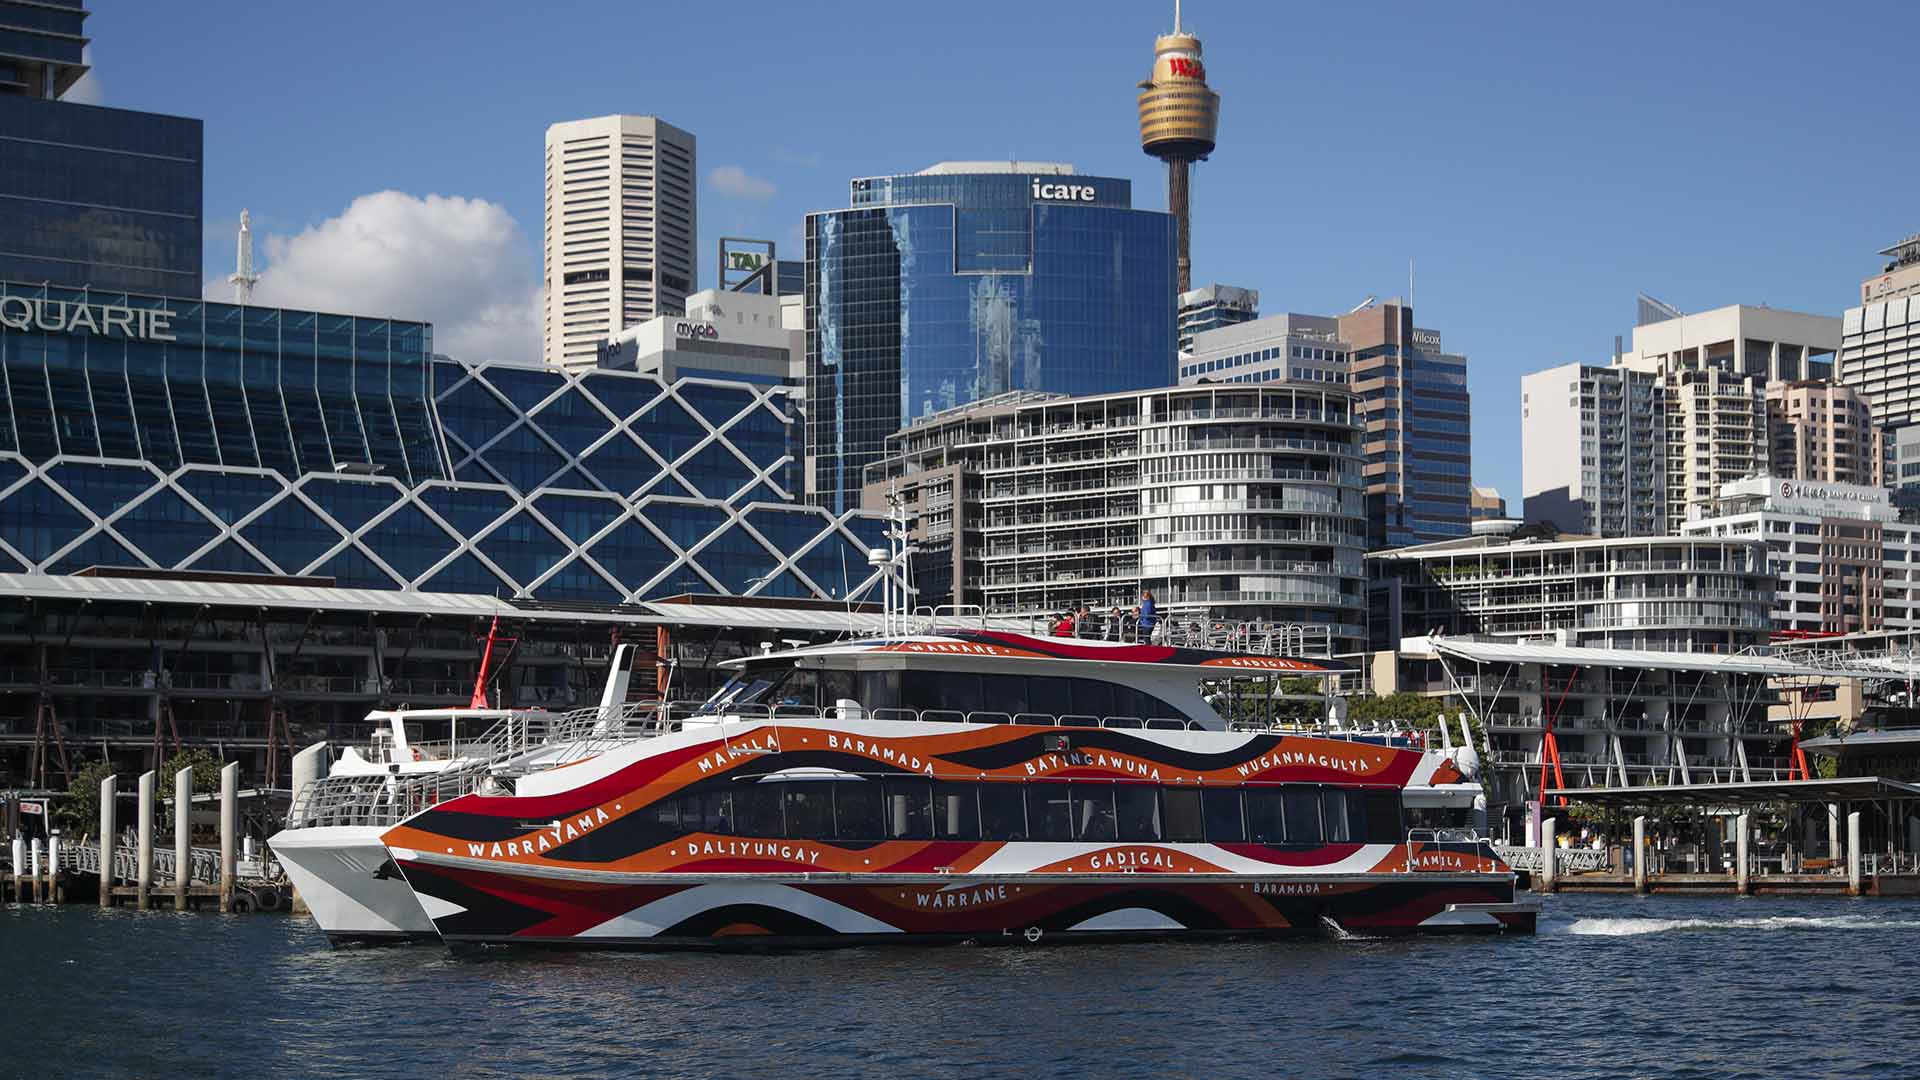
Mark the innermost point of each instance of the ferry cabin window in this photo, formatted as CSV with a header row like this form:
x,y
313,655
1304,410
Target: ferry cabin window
x,y
956,811
1381,812
1048,815
909,809
756,810
1136,809
809,807
1266,816
1182,818
1003,812
1222,810
1093,812
857,813
1302,815
1048,695
1333,817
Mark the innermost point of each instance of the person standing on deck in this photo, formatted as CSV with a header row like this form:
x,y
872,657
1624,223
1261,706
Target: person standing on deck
x,y
1148,620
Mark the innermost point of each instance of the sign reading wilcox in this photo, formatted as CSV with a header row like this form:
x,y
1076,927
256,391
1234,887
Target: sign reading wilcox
x,y
64,316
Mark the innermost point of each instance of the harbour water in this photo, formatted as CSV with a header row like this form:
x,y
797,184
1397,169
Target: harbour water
x,y
1611,987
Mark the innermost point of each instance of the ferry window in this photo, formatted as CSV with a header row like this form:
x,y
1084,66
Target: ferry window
x,y
1180,809
1137,809
809,808
756,810
1047,814
909,809
1221,807
1093,811
1005,693
1333,816
1003,812
1049,695
1092,698
709,812
1380,812
956,811
1303,816
1265,816
856,811
880,690
836,686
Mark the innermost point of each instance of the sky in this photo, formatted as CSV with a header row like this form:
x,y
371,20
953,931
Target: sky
x,y
1536,165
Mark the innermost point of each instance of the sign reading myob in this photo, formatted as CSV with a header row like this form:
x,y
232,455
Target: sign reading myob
x,y
109,320
697,331
1063,192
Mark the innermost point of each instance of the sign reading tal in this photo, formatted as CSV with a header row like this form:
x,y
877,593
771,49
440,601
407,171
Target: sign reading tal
x,y
1063,192
107,320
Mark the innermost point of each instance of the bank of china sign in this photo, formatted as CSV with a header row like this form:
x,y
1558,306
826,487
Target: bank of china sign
x,y
66,317
1829,497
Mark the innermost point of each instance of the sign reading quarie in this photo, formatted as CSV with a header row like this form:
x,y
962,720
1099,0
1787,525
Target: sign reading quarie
x,y
62,316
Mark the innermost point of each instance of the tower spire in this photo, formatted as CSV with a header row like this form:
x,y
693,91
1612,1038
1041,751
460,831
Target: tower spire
x,y
243,278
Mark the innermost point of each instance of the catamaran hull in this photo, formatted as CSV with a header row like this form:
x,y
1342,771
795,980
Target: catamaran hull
x,y
718,912
348,882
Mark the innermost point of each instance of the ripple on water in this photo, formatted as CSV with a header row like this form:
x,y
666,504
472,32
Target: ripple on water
x,y
1659,987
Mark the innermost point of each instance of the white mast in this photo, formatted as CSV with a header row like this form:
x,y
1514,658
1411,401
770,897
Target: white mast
x,y
243,278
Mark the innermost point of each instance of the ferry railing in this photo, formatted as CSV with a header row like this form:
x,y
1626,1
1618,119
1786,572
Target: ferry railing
x,y
1449,840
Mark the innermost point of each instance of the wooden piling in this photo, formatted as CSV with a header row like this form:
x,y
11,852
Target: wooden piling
x,y
1835,850
182,837
107,838
143,896
33,872
229,823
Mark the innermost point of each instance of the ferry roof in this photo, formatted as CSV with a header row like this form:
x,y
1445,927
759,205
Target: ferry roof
x,y
1502,652
1007,644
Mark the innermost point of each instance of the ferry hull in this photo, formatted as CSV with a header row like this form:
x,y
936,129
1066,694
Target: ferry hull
x,y
345,877
734,912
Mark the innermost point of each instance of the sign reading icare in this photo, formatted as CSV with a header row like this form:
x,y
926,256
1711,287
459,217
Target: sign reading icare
x,y
1063,192
67,317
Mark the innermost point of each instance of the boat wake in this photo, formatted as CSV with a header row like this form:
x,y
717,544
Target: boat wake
x,y
1631,927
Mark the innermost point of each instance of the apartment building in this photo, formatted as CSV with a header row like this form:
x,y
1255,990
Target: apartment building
x,y
1211,307
1697,594
1594,450
619,230
1824,432
1230,501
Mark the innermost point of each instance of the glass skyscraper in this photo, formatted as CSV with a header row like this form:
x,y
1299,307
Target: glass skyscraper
x,y
969,279
89,196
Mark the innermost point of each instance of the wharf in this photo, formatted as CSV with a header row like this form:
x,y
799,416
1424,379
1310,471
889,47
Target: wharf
x,y
1728,884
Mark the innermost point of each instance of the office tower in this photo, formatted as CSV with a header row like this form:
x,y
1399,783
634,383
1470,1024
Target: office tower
x,y
1211,307
90,197
939,288
1414,402
1594,450
1487,504
620,229
1880,339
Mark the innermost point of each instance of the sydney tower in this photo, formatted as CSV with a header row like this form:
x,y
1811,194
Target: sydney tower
x,y
1178,118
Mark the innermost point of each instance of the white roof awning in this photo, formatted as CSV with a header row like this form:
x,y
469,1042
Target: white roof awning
x,y
1503,652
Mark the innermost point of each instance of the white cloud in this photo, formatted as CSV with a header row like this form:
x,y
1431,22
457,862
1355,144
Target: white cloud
x,y
738,182
461,264
87,91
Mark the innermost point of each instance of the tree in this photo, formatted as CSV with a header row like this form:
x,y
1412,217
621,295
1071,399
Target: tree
x,y
79,812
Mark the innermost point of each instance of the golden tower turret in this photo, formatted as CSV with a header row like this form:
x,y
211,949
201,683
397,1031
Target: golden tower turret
x,y
1179,116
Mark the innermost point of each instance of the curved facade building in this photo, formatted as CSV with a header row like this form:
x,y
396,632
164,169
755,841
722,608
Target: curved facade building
x,y
1238,502
969,279
157,434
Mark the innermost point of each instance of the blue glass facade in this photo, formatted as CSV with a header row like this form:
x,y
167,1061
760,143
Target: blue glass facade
x,y
174,434
935,290
98,197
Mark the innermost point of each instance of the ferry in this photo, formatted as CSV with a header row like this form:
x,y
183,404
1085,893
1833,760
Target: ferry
x,y
331,847
968,785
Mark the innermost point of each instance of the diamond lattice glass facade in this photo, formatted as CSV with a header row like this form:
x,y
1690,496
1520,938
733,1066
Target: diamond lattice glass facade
x,y
264,441
938,289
